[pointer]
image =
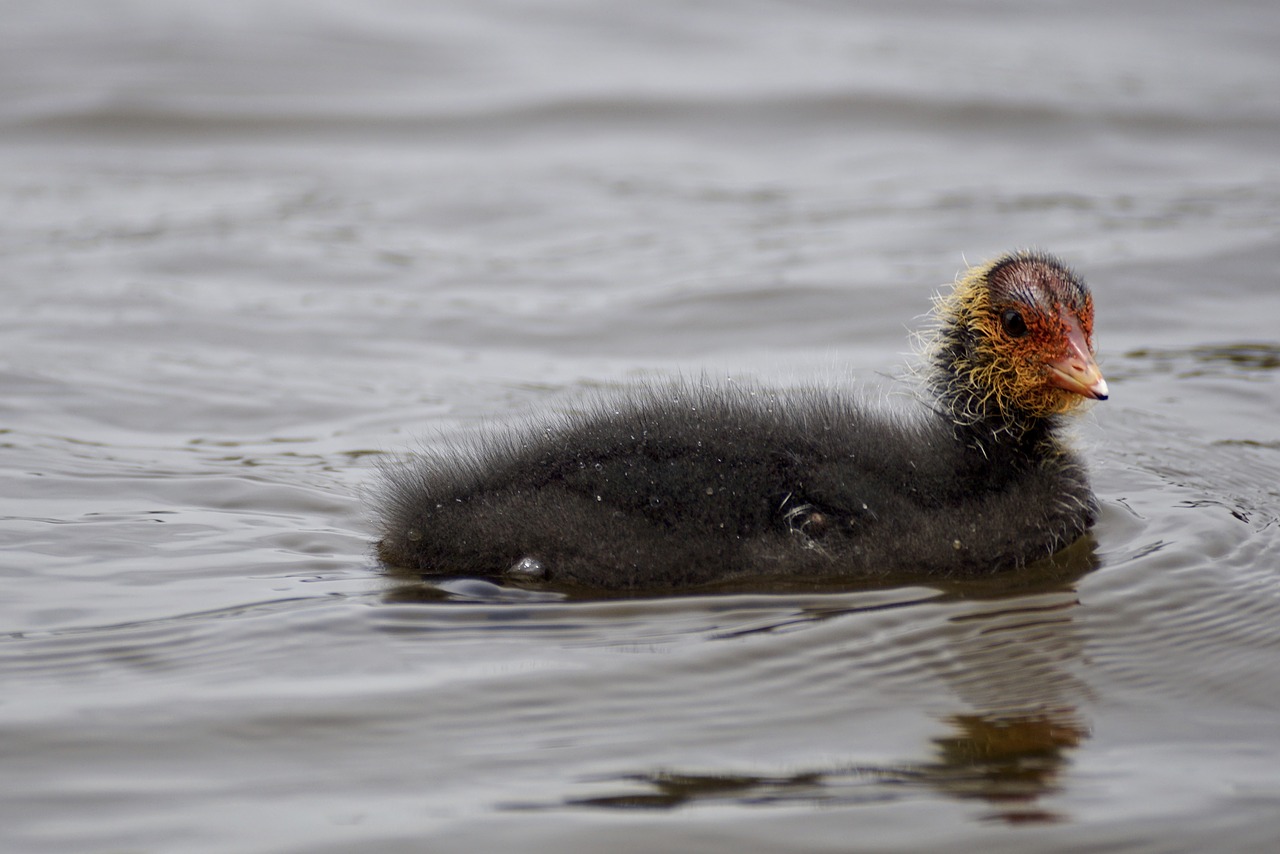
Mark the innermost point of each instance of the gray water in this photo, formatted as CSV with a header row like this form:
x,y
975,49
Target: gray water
x,y
249,249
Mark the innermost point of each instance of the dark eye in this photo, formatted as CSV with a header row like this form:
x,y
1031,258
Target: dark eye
x,y
1014,325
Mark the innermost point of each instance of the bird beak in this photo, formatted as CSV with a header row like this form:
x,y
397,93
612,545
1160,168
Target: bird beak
x,y
1076,371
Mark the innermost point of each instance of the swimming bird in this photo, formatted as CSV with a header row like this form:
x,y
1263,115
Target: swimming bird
x,y
670,487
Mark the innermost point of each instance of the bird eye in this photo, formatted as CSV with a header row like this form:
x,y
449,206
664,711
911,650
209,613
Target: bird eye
x,y
1014,325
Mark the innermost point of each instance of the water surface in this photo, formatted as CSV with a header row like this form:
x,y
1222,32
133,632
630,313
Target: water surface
x,y
251,248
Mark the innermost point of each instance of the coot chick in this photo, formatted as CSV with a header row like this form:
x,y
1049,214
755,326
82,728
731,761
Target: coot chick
x,y
670,487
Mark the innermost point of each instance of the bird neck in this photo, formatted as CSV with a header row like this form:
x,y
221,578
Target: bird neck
x,y
979,419
963,388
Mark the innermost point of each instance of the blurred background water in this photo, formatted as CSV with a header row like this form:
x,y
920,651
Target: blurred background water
x,y
249,248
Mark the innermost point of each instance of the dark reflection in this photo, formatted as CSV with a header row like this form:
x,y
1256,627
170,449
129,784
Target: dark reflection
x,y
414,594
1007,651
1008,762
669,789
1056,574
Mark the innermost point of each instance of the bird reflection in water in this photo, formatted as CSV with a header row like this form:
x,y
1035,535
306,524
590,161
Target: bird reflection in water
x,y
1008,661
1008,761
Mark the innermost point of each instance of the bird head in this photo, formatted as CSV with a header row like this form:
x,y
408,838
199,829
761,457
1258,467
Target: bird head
x,y
1016,337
